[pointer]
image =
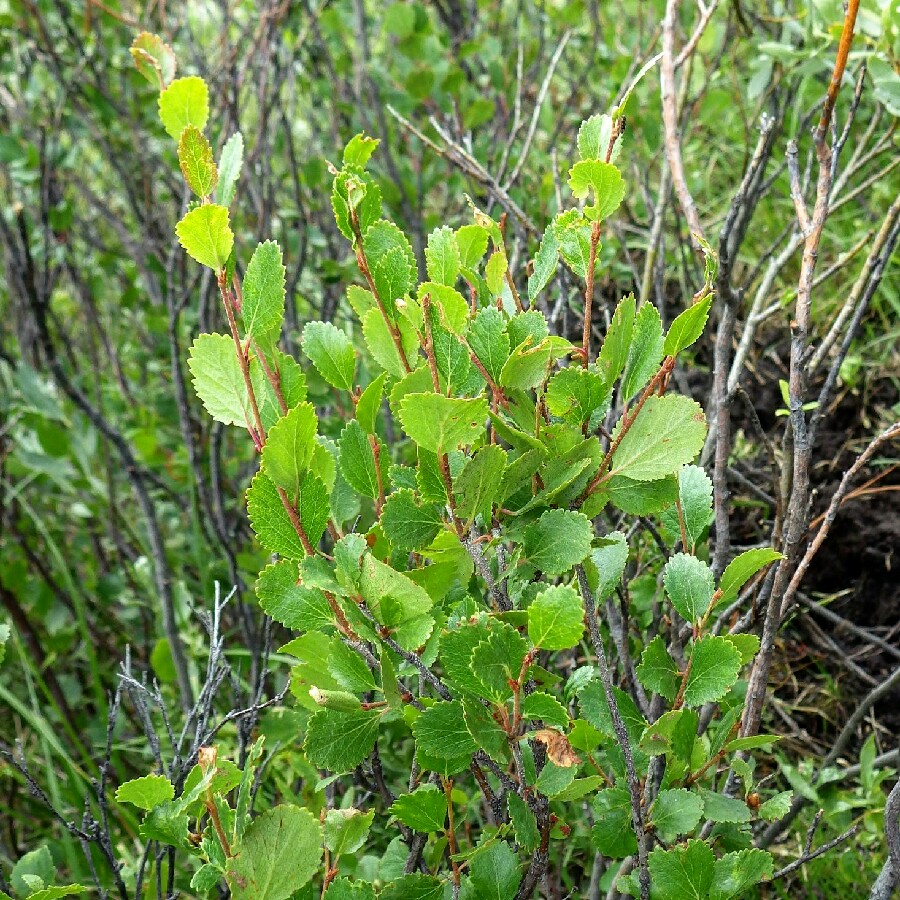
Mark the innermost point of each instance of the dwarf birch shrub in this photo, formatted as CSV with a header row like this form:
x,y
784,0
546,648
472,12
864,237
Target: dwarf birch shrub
x,y
490,543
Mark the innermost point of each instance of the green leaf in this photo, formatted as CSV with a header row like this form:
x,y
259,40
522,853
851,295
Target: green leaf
x,y
442,256
366,200
668,432
498,660
594,136
559,540
348,668
217,379
262,304
485,729
645,353
359,150
719,808
527,366
184,102
545,262
441,731
489,341
205,233
574,236
614,352
476,487
530,324
742,568
689,584
289,448
494,872
604,180
428,478
5,632
676,811
452,307
735,874
198,166
37,864
331,352
610,559
595,709
285,600
381,345
683,873
290,378
776,807
391,261
575,393
453,363
425,809
339,741
153,58
643,498
613,834
495,272
369,403
413,887
556,618
456,658
346,830
345,889
166,823
523,822
146,792
687,327
397,602
657,670
714,667
695,491
408,525
357,460
230,162
270,520
439,423
555,779
518,472
472,241
279,853
545,708
53,893
747,645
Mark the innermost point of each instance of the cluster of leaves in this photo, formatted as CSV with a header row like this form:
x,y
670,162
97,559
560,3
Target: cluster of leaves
x,y
34,877
440,560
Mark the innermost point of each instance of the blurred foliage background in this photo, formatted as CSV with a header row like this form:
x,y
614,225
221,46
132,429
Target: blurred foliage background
x,y
117,497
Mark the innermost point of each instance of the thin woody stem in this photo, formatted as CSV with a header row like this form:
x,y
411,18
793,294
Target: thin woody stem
x,y
658,379
210,805
634,788
363,265
589,295
295,521
242,358
260,440
451,834
443,462
274,379
837,74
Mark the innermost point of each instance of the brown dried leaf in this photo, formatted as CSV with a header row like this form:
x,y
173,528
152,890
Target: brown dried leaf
x,y
558,747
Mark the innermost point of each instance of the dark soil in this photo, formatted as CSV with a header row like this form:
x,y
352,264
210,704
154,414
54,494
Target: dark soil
x,y
858,566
